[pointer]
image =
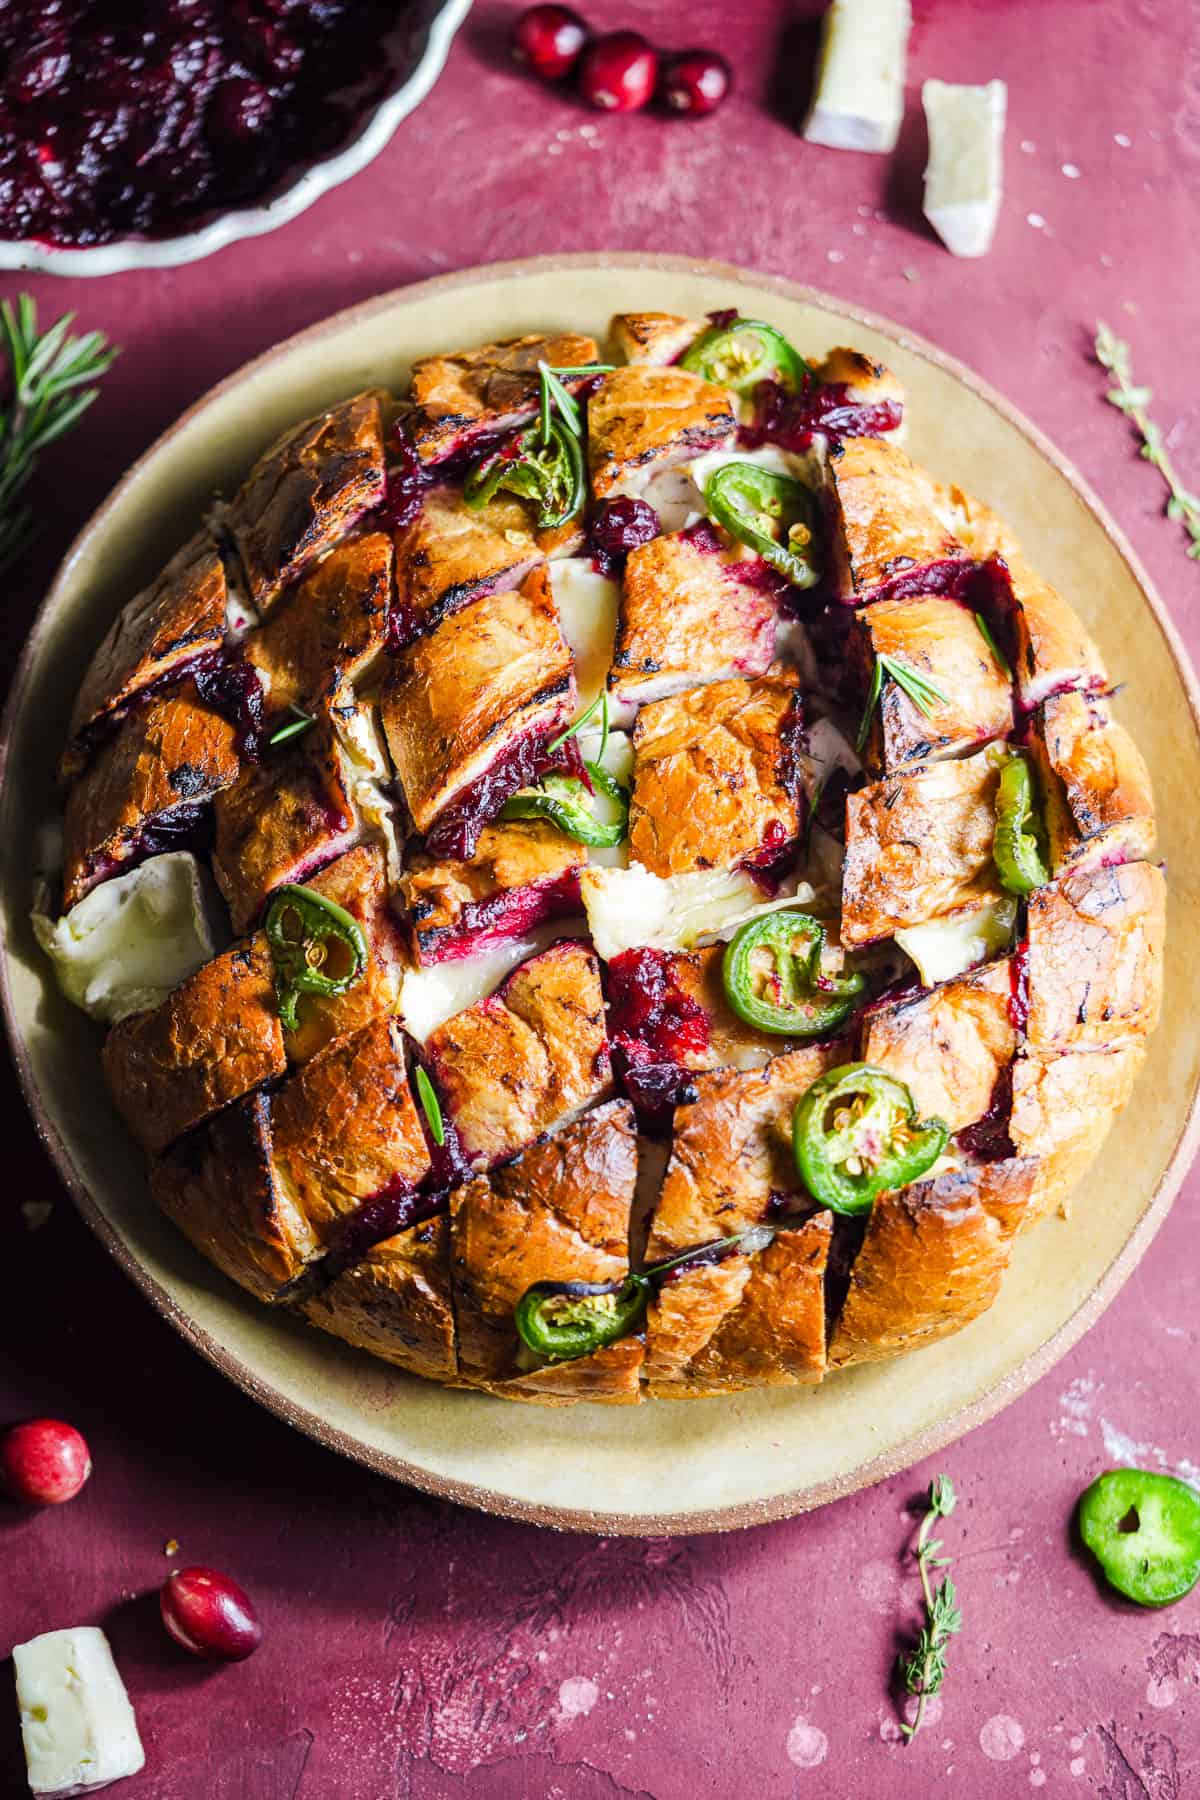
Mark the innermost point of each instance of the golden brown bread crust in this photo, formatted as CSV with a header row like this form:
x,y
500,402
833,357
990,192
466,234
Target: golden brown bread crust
x,y
357,882
919,847
731,1043
731,1157
167,757
486,389
211,1041
1095,786
180,616
526,1057
281,818
932,1260
1054,652
458,698
714,781
511,854
396,1304
220,1187
1062,1107
938,639
452,553
643,419
867,382
949,1045
560,1212
346,1127
883,518
686,619
652,338
1095,958
750,1321
306,491
331,630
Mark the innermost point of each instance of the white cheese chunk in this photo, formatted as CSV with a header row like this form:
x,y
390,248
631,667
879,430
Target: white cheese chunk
x,y
631,907
430,996
587,610
76,1721
127,944
618,760
858,100
368,777
964,176
948,947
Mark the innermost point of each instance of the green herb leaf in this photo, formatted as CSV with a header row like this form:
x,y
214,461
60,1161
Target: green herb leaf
x,y
986,634
430,1106
293,728
50,375
923,1668
1113,354
920,690
554,392
572,730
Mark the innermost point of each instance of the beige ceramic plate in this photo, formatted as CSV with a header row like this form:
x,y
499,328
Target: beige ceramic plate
x,y
734,1461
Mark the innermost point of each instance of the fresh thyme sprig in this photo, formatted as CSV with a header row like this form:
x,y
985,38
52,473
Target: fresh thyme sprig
x,y
48,375
923,1669
1112,353
920,690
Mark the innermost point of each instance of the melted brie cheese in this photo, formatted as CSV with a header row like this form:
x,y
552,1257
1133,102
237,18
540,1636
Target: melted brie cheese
x,y
77,1724
587,610
127,944
948,947
630,908
429,996
368,777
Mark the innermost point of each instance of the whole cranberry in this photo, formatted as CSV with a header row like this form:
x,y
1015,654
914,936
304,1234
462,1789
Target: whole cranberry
x,y
619,527
618,72
210,1615
549,39
43,1462
694,82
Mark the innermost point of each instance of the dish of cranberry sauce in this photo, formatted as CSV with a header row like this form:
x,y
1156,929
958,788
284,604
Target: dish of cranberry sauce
x,y
606,879
124,118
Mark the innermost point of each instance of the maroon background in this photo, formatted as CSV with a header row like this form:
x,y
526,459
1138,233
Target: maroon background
x,y
416,1651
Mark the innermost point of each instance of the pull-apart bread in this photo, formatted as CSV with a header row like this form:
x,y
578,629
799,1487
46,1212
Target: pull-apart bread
x,y
618,774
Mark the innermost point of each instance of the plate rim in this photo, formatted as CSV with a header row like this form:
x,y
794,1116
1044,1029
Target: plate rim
x,y
912,1449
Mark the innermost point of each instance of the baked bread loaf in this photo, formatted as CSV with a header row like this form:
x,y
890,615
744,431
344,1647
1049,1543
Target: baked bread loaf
x,y
685,901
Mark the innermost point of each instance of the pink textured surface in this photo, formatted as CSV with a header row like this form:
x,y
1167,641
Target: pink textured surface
x,y
418,1652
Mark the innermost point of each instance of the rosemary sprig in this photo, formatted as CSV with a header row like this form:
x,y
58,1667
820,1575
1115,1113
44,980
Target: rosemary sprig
x,y
920,690
985,632
1112,353
48,375
430,1106
292,728
552,393
923,1669
599,705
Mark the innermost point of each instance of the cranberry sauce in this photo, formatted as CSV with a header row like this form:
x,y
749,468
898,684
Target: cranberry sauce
x,y
988,1139
657,1030
407,481
187,826
769,863
140,117
396,1207
1018,999
455,833
793,420
499,918
234,690
619,527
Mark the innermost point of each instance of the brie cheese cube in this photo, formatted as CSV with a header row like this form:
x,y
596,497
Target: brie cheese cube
x,y
432,994
127,944
858,101
587,611
631,908
76,1721
964,176
948,947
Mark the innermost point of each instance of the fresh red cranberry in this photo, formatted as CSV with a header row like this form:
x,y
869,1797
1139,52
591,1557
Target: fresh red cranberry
x,y
549,39
210,1615
618,72
694,82
43,1462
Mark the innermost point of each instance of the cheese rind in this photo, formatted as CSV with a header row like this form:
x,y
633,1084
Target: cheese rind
x,y
858,99
964,177
77,1724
